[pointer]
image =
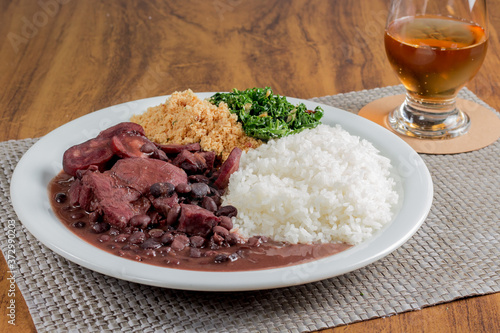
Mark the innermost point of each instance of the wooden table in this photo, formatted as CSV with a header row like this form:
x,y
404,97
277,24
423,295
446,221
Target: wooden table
x,y
61,59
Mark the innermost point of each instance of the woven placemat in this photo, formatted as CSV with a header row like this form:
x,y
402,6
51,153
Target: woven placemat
x,y
455,254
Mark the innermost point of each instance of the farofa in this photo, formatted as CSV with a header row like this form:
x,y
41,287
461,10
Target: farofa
x,y
184,118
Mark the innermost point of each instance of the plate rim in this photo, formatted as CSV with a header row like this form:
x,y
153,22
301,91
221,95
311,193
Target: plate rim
x,y
217,281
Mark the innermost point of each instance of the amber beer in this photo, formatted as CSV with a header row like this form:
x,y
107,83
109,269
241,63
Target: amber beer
x,y
435,56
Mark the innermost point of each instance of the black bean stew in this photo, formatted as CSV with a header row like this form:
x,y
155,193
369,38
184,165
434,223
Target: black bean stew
x,y
161,205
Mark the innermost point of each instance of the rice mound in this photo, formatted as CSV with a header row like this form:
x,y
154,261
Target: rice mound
x,y
320,185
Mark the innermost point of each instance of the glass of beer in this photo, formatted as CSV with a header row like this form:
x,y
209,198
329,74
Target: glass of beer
x,y
435,47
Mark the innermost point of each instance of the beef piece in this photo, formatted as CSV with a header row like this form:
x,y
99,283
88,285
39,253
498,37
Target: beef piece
x,y
176,149
163,203
125,127
162,189
209,157
119,213
190,162
142,204
196,221
128,144
228,167
92,152
179,242
141,173
74,192
160,155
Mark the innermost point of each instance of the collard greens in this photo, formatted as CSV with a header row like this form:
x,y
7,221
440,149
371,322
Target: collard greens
x,y
265,115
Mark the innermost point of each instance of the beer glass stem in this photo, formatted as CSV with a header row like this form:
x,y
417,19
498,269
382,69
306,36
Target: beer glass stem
x,y
429,120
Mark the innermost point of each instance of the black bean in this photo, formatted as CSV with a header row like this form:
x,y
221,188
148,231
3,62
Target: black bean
x,y
156,190
100,227
94,216
173,214
134,247
199,190
167,238
226,222
216,198
113,232
128,230
220,258
150,252
183,188
155,218
160,155
254,241
232,239
148,148
210,253
173,262
198,179
220,231
104,238
194,253
140,221
212,245
150,243
137,237
182,238
79,174
121,238
162,207
214,191
159,189
77,215
79,224
209,204
164,249
225,257
61,198
228,210
156,233
218,239
197,241
179,243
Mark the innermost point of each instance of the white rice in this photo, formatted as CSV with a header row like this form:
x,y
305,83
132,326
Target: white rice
x,y
321,185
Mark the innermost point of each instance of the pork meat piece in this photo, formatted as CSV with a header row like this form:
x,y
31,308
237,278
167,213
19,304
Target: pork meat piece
x,y
164,203
177,148
141,173
196,221
190,162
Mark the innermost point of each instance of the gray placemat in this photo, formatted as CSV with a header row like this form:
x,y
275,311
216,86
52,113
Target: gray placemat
x,y
455,254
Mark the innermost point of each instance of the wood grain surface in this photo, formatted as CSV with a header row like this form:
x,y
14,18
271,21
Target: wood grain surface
x,y
61,59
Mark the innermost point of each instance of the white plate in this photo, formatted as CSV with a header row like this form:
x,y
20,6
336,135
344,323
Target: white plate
x,y
42,162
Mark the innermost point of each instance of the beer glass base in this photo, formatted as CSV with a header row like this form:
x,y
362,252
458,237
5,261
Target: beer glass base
x,y
423,124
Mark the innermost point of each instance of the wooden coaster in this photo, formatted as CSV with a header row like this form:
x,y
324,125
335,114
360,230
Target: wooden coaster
x,y
484,130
